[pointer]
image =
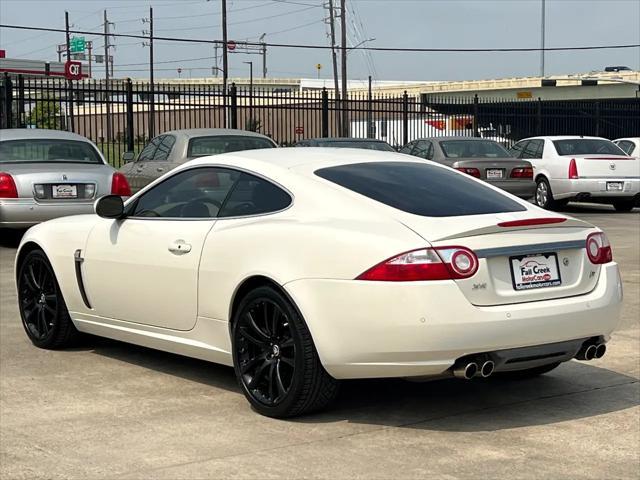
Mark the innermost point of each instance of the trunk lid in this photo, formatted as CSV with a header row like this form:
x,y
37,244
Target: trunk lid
x,y
512,258
607,166
48,175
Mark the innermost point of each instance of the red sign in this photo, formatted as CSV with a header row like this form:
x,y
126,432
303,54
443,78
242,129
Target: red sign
x,y
73,70
231,45
299,130
3,53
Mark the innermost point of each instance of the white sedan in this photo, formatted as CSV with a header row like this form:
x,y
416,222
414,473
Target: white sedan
x,y
573,168
301,267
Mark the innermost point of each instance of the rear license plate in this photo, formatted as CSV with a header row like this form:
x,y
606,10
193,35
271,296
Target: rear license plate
x,y
64,191
494,173
615,186
535,271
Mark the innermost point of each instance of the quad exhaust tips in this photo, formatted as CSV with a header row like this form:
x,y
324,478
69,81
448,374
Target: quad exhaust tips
x,y
589,351
467,369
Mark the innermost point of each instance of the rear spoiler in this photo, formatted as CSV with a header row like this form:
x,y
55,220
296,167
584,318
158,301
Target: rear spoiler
x,y
521,224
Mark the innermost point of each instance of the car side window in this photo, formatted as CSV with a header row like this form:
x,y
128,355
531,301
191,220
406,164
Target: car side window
x,y
164,148
407,148
516,150
148,151
254,196
423,149
193,193
532,148
626,146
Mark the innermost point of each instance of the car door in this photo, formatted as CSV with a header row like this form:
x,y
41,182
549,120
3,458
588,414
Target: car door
x,y
143,269
139,167
159,163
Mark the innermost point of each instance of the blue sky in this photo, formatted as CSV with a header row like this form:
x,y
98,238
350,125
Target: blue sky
x,y
393,23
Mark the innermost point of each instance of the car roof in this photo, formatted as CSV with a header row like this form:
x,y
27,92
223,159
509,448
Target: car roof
x,y
213,132
562,137
293,158
342,139
39,133
455,137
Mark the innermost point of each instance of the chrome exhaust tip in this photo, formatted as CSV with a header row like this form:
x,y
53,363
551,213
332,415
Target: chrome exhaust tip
x,y
590,352
487,368
466,370
601,349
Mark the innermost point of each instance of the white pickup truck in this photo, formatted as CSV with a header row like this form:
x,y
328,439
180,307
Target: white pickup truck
x,y
575,168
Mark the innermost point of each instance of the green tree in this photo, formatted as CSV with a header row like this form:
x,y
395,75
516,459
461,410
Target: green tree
x,y
46,114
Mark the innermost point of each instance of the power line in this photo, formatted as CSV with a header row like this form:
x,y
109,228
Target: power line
x,y
327,47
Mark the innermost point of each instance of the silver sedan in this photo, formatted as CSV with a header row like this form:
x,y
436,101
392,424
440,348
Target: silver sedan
x,y
165,152
46,174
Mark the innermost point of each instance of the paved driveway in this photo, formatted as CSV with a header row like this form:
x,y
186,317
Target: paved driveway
x,y
113,410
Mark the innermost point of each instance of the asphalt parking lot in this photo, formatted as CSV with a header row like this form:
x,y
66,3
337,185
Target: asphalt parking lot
x,y
112,410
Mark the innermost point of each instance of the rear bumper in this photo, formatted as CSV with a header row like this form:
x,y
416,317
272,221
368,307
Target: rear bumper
x,y
26,212
520,188
594,188
383,329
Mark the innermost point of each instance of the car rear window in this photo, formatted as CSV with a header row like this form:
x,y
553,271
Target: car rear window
x,y
587,146
473,148
214,145
420,188
48,151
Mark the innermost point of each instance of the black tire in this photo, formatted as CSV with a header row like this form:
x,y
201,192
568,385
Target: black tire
x,y
44,314
528,373
624,205
544,196
275,360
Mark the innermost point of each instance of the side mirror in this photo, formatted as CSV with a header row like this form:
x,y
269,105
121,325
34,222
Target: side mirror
x,y
110,206
128,157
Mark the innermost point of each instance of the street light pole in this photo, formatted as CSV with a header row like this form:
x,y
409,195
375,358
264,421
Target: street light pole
x,y
343,32
542,39
225,60
250,95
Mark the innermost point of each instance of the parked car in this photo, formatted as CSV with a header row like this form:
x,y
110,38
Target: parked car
x,y
304,267
165,152
630,146
479,157
575,168
364,143
46,174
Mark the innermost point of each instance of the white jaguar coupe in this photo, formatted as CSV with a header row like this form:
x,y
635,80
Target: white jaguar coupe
x,y
301,267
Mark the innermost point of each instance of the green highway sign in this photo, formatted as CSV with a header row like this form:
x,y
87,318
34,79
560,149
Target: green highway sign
x,y
77,45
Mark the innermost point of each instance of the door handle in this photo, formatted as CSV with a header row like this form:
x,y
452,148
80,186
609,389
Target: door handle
x,y
179,247
160,169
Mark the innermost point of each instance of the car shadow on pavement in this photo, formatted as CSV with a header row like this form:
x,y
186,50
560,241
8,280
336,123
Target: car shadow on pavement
x,y
574,390
10,238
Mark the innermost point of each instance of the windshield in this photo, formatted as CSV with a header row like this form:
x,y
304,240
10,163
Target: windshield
x,y
473,149
420,188
587,146
214,145
48,151
381,146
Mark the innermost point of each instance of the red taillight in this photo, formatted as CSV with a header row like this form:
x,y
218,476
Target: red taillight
x,y
474,172
573,169
524,172
7,186
119,185
441,263
599,249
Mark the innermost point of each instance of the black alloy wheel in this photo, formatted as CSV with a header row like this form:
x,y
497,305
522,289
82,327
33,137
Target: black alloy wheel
x,y
275,361
42,308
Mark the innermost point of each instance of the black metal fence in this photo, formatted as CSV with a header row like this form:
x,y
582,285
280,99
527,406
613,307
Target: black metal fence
x,y
123,115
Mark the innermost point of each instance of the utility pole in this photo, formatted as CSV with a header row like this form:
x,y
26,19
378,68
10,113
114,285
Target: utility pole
x,y
542,39
215,69
225,60
152,99
264,55
107,99
334,58
343,31
69,82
